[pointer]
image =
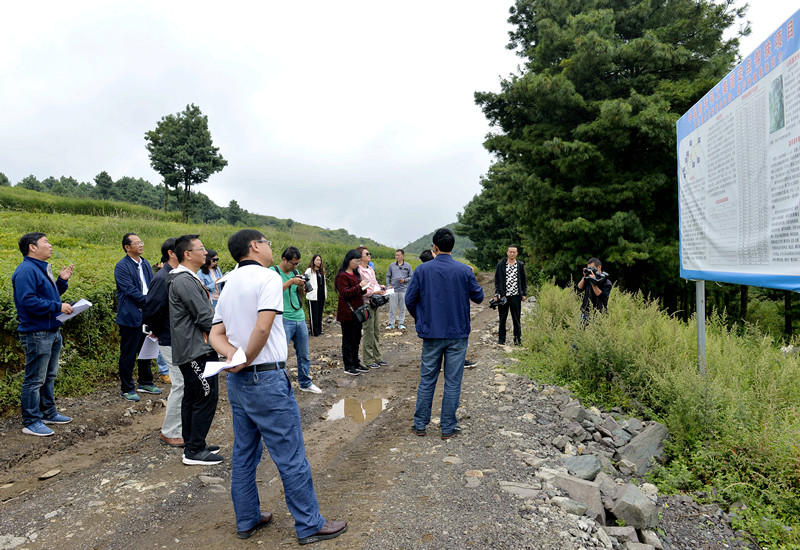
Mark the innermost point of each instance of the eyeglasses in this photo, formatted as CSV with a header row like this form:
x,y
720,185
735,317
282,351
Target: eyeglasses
x,y
203,248
263,241
214,259
137,243
294,263
368,254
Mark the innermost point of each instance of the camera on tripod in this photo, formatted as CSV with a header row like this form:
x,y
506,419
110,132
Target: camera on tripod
x,y
501,301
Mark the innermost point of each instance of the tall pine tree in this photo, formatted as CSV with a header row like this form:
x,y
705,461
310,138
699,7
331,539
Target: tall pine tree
x,y
584,136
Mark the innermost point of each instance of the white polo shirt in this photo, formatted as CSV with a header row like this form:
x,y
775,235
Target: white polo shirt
x,y
248,290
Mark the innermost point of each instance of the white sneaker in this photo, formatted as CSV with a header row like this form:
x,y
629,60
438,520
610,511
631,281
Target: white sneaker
x,y
312,388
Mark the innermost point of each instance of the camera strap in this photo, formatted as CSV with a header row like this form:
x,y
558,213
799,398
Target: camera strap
x,y
295,273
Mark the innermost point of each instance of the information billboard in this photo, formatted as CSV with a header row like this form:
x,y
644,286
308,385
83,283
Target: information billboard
x,y
739,171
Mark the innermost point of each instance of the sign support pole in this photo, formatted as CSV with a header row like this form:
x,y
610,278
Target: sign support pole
x,y
700,286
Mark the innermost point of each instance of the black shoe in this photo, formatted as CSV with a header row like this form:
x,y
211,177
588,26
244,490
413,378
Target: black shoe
x,y
456,431
352,371
468,364
374,366
362,368
383,363
212,448
201,458
331,529
266,519
418,432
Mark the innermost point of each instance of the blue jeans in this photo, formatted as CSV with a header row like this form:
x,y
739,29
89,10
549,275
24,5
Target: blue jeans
x,y
41,367
434,351
163,367
297,332
264,406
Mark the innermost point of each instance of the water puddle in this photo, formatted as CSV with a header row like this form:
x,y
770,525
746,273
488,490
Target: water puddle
x,y
357,411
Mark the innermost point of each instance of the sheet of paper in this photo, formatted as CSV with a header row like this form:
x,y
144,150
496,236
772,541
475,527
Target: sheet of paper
x,y
149,348
214,367
77,307
389,291
376,288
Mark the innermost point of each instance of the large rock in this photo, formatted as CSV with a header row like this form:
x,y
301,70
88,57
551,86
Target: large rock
x,y
584,467
622,534
583,491
646,447
634,508
574,412
571,506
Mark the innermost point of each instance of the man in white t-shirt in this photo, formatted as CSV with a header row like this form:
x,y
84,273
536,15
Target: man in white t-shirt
x,y
260,393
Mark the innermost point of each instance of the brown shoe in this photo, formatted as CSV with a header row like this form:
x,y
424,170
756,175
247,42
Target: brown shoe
x,y
265,520
330,530
165,379
172,441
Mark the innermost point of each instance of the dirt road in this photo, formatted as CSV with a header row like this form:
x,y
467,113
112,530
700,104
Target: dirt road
x,y
117,487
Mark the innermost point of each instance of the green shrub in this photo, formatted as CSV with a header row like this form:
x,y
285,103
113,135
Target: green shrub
x,y
734,427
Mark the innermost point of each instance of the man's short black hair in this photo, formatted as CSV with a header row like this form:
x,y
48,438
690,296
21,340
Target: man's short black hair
x,y
444,239
126,240
291,253
27,240
595,261
401,251
182,244
426,256
166,246
239,242
515,247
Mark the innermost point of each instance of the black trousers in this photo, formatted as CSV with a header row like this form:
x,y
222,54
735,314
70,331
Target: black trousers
x,y
130,343
315,308
514,304
199,404
351,340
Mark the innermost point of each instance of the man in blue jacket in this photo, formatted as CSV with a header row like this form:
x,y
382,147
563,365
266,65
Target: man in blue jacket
x,y
133,275
438,299
37,296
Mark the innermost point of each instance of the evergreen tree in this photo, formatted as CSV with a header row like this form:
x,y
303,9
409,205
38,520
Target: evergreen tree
x,y
30,182
584,136
104,186
4,182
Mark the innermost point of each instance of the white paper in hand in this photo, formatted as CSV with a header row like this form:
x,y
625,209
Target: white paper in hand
x,y
214,367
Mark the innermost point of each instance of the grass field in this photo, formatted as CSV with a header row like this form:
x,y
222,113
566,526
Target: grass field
x,y
88,234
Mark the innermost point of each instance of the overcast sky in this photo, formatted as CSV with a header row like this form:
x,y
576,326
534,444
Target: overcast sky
x,y
354,114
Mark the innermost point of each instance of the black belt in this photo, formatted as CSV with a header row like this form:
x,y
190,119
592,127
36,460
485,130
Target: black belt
x,y
264,366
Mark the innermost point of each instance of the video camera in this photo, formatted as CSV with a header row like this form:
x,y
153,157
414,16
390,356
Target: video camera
x,y
501,301
377,300
593,275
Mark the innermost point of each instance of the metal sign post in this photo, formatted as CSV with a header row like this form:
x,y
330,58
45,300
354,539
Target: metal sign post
x,y
700,285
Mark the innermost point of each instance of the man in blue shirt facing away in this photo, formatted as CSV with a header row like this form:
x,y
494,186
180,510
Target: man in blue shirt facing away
x,y
37,295
438,299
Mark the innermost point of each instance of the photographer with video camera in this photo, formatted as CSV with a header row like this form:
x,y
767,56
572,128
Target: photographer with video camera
x,y
295,287
510,289
596,287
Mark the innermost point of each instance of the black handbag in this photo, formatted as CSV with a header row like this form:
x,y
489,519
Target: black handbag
x,y
361,314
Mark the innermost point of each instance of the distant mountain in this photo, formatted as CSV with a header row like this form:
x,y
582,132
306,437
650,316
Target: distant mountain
x,y
424,243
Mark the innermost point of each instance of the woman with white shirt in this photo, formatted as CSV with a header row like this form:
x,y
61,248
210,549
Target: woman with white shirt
x,y
316,297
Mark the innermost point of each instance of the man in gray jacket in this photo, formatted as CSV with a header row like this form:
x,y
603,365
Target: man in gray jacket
x,y
397,277
190,318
